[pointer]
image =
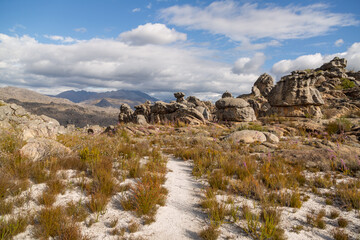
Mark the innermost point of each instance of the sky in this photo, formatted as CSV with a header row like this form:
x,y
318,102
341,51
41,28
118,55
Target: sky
x,y
202,48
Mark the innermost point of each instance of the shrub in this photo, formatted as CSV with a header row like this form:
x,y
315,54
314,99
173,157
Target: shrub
x,y
342,222
334,214
349,195
210,233
144,195
76,211
6,207
217,180
133,227
97,203
340,234
12,226
338,126
52,222
346,83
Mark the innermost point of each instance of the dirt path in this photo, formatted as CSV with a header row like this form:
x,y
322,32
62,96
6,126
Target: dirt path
x,y
181,217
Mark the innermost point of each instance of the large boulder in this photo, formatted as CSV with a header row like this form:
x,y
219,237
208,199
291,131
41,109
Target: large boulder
x,y
234,109
231,103
247,136
126,113
37,149
263,85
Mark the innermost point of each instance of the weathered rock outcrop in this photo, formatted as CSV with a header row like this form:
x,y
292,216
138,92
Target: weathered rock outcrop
x,y
191,111
263,86
39,132
31,126
234,109
295,95
126,113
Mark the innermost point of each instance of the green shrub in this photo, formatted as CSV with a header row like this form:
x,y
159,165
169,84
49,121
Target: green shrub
x,y
346,83
338,126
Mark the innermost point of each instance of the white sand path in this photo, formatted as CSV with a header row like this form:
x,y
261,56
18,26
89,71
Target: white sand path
x,y
181,217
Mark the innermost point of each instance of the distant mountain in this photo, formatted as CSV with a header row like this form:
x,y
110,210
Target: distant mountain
x,y
104,103
76,96
63,110
126,96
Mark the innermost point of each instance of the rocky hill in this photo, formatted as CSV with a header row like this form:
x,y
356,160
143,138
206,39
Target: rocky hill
x,y
63,110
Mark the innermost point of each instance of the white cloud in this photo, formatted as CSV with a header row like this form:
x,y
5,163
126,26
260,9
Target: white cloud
x,y
312,61
339,42
16,27
249,65
81,30
149,6
152,34
61,38
112,64
136,10
249,22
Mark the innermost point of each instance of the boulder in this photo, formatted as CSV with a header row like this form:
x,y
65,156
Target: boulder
x,y
263,85
247,136
231,103
126,113
271,138
30,126
179,97
234,109
245,114
336,63
37,149
227,95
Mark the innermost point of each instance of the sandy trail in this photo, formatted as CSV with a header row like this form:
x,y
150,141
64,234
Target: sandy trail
x,y
181,217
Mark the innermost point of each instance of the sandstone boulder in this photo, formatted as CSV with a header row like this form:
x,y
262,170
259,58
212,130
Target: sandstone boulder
x,y
227,95
39,148
247,136
231,103
126,113
234,109
263,85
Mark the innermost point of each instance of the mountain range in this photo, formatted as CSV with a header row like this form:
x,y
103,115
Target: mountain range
x,y
75,107
107,99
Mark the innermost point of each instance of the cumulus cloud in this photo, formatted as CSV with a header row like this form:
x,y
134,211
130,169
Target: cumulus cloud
x,y
136,10
112,64
152,34
81,30
249,65
61,38
339,42
251,21
311,61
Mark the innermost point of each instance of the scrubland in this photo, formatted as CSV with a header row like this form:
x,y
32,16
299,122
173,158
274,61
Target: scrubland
x,y
112,185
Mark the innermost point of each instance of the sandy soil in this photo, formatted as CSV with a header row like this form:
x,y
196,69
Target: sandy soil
x,y
181,217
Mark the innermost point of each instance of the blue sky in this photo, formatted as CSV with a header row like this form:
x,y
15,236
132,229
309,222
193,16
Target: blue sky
x,y
163,46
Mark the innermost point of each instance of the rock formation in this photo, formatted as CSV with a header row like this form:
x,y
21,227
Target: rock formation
x,y
39,132
191,111
234,109
263,86
295,95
